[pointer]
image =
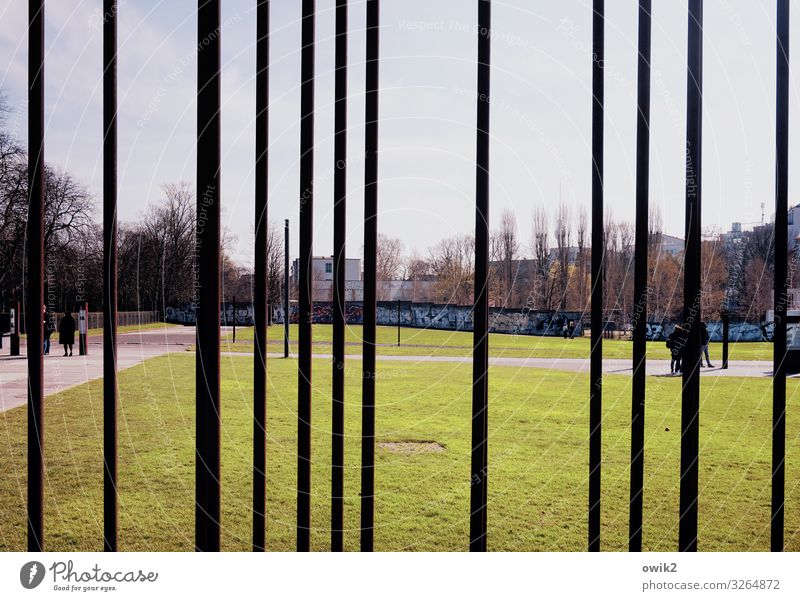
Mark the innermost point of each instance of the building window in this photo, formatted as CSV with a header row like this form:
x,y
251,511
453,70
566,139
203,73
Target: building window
x,y
328,267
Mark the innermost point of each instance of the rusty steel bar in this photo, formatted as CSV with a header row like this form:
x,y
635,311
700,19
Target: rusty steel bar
x,y
110,504
339,273
640,277
370,279
480,344
598,276
260,309
306,275
690,402
207,294
782,277
35,288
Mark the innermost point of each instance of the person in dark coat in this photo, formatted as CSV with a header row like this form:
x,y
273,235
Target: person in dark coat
x,y
675,343
66,332
48,329
704,339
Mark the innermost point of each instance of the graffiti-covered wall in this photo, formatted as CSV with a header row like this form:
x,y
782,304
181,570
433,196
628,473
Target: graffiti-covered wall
x,y
459,317
737,332
185,314
451,317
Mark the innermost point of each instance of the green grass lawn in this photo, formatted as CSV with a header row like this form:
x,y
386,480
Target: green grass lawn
x,y
427,342
158,325
538,457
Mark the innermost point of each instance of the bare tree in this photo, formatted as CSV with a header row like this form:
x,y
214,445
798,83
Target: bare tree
x,y
582,233
655,234
663,271
13,208
164,261
563,236
508,251
67,226
757,294
417,271
389,258
416,268
714,272
275,265
541,296
451,264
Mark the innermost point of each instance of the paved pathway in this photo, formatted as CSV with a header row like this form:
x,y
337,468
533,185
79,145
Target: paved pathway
x,y
64,372
134,348
655,367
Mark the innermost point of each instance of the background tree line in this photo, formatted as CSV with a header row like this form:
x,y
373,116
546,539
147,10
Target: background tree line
x,y
549,269
155,251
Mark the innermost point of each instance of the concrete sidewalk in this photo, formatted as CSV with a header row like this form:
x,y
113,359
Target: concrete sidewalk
x,y
62,372
654,367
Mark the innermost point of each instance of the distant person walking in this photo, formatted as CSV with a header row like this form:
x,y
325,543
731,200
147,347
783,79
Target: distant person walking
x,y
66,332
704,340
48,329
571,329
675,343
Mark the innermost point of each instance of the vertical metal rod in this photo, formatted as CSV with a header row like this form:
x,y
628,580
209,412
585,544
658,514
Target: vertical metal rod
x,y
690,404
260,283
286,308
207,295
726,320
782,276
306,275
480,341
598,275
398,323
110,275
640,278
339,272
370,279
17,327
83,328
35,287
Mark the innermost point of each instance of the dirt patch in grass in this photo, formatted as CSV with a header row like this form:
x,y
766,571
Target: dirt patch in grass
x,y
412,447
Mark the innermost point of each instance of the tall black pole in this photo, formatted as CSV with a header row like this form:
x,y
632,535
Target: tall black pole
x,y
690,404
480,338
286,308
110,274
370,280
640,278
207,294
782,276
339,264
260,279
35,287
596,351
306,273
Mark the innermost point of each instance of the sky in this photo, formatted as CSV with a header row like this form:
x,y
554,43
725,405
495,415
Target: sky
x,y
540,110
